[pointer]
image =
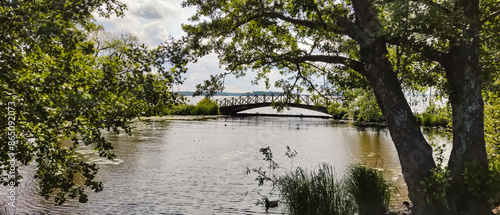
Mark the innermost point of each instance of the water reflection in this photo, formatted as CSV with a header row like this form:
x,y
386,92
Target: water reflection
x,y
198,167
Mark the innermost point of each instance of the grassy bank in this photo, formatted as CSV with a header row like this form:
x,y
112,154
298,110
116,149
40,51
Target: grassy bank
x,y
368,112
434,116
204,107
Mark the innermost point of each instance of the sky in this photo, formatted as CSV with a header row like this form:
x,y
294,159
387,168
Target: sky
x,y
153,21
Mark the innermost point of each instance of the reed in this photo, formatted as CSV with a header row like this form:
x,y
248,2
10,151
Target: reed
x,y
315,193
370,191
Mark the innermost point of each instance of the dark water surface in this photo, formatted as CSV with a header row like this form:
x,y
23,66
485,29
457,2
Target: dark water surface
x,y
198,167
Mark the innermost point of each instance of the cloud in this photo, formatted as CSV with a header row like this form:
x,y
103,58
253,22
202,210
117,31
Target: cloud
x,y
153,33
153,21
118,25
157,9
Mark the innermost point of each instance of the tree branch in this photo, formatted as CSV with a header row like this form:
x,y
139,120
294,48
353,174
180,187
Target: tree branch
x,y
435,4
309,81
353,64
301,22
426,50
490,17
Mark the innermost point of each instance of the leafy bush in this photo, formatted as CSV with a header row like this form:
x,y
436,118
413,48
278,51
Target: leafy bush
x,y
366,109
204,107
337,111
492,126
370,191
434,116
492,137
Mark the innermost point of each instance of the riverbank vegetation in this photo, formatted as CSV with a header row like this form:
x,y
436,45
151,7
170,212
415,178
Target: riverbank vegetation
x,y
204,107
362,108
358,105
435,116
362,190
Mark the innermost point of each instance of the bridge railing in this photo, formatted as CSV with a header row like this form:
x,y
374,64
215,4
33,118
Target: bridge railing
x,y
291,99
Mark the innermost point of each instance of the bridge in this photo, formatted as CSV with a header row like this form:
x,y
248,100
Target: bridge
x,y
231,106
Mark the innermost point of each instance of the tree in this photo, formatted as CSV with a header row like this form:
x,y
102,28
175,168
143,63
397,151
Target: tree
x,y
56,84
392,45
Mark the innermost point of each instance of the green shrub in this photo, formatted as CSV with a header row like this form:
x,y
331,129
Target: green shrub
x,y
183,109
492,137
337,111
366,109
206,107
434,116
315,193
370,191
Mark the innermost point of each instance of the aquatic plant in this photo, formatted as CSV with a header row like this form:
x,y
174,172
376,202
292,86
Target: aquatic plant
x,y
362,191
317,192
369,189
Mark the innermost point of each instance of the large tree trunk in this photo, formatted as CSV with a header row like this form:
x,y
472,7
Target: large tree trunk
x,y
463,74
415,154
468,132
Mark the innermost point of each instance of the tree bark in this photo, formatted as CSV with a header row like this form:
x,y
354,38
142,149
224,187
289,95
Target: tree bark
x,y
415,154
463,73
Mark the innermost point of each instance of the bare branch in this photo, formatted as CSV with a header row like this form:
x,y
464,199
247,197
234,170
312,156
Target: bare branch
x,y
309,81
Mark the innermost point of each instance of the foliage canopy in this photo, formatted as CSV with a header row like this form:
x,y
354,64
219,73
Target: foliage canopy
x,y
60,84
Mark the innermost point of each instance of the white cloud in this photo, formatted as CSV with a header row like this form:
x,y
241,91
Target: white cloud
x,y
157,9
153,21
118,25
153,33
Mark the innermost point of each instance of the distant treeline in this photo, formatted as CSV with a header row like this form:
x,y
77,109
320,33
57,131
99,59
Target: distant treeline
x,y
258,93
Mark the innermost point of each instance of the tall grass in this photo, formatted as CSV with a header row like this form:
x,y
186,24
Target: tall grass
x,y
315,193
369,189
363,191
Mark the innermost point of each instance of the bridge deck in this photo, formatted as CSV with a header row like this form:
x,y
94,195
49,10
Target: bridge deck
x,y
236,104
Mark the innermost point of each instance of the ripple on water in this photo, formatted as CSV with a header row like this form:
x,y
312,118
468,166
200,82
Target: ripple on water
x,y
160,170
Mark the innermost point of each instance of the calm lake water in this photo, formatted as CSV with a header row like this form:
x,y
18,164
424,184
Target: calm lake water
x,y
198,166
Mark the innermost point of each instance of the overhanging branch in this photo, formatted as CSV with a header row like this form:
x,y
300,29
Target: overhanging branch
x,y
353,64
490,17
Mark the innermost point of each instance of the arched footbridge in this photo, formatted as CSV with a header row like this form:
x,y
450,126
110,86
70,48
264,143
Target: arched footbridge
x,y
233,105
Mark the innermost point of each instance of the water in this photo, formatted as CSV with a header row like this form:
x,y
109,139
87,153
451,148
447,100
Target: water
x,y
198,167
